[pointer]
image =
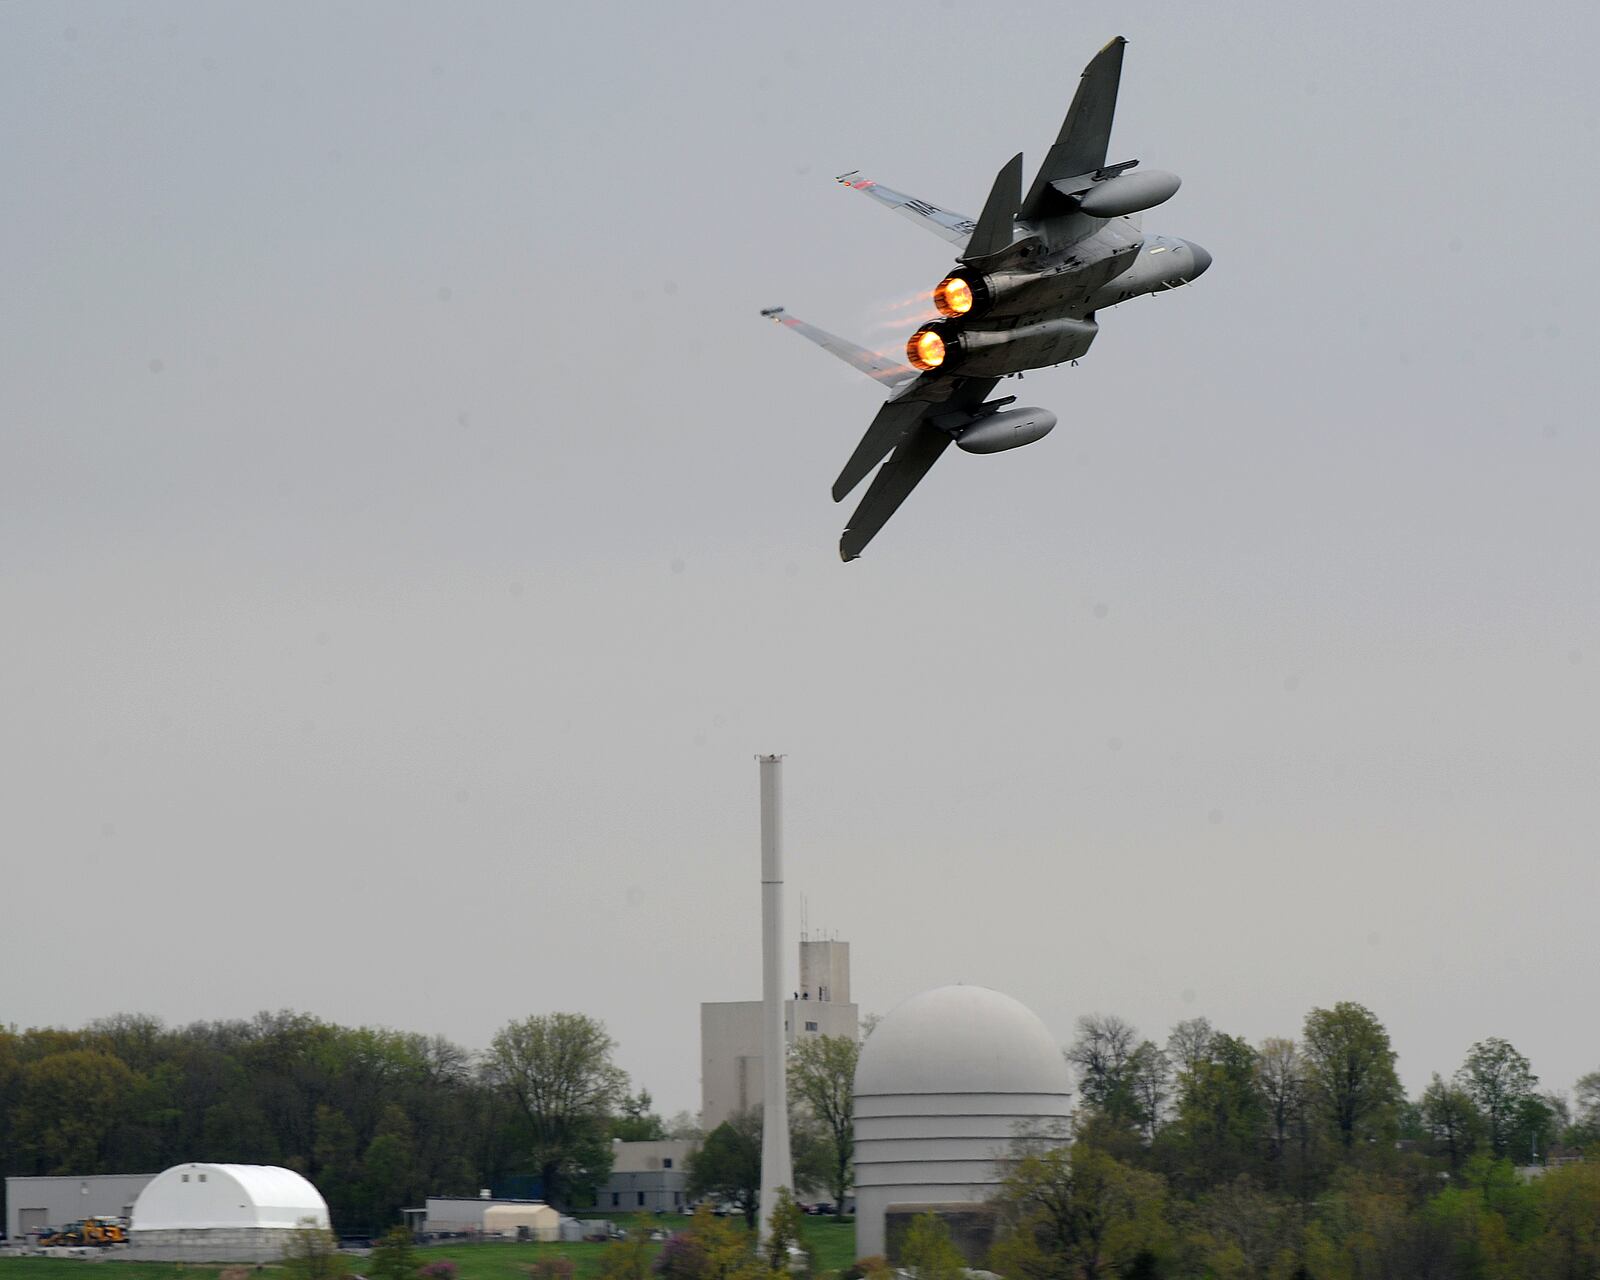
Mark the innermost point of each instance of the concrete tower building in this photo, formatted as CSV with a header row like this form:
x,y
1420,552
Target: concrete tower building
x,y
730,1030
945,1083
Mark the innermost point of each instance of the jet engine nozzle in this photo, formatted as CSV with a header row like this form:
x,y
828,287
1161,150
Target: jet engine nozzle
x,y
926,349
953,296
983,353
968,293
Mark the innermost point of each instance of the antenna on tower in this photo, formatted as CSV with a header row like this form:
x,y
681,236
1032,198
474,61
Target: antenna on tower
x,y
805,916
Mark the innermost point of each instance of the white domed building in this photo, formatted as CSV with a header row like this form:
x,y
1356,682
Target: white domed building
x,y
945,1083
222,1213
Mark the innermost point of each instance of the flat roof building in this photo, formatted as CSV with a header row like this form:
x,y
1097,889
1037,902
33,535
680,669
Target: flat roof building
x,y
34,1205
648,1177
730,1030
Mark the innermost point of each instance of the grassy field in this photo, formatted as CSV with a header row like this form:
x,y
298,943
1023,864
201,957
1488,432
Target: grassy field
x,y
832,1243
76,1268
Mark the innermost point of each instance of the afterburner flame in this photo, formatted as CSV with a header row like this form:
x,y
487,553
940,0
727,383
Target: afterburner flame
x,y
925,350
953,297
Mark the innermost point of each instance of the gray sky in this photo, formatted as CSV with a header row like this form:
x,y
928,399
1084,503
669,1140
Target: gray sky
x,y
410,532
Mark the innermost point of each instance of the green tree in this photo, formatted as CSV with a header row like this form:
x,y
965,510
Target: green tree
x,y
557,1068
1189,1043
393,1258
1350,1066
1281,1081
1077,1214
1101,1052
710,1249
1240,1233
628,1258
637,1121
1501,1083
727,1166
785,1230
69,1105
311,1253
1567,1246
1586,1107
822,1075
1150,1086
1221,1116
928,1252
1451,1119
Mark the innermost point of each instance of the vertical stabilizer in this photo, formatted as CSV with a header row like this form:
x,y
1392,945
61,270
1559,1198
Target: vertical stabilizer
x,y
995,223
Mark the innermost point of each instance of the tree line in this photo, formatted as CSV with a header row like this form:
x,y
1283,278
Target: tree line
x,y
376,1119
1303,1159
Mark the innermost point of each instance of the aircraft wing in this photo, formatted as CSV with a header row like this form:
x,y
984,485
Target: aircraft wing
x,y
919,445
1086,132
957,228
880,367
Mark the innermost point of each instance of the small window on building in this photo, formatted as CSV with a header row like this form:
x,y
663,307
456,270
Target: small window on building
x,y
202,1177
616,1199
666,1162
186,1177
811,1026
641,1199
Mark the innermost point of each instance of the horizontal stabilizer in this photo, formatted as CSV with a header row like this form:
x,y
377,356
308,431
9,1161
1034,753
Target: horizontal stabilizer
x,y
1086,132
996,222
891,486
893,421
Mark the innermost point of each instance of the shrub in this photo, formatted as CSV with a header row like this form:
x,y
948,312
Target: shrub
x,y
683,1257
559,1267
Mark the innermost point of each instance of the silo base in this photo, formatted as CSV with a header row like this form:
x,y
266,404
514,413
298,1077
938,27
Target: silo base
x,y
210,1244
971,1226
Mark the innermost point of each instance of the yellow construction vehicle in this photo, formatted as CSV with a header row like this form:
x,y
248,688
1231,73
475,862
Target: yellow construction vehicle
x,y
91,1231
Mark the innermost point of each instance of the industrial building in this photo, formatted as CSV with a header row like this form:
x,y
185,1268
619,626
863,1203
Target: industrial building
x,y
730,1030
537,1222
222,1213
648,1177
462,1215
946,1082
35,1204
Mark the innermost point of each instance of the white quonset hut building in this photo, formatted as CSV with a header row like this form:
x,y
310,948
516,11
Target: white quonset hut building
x,y
223,1213
946,1082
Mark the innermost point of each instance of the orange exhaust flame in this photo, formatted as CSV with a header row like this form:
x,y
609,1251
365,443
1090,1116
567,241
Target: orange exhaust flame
x,y
925,350
952,297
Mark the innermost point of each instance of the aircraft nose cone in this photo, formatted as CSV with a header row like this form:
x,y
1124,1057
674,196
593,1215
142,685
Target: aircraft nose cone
x,y
1202,260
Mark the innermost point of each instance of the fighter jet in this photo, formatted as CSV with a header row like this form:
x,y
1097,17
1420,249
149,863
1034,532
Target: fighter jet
x,y
1032,274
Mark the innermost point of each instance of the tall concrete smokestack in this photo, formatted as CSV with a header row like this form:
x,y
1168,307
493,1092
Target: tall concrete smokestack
x,y
777,1169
